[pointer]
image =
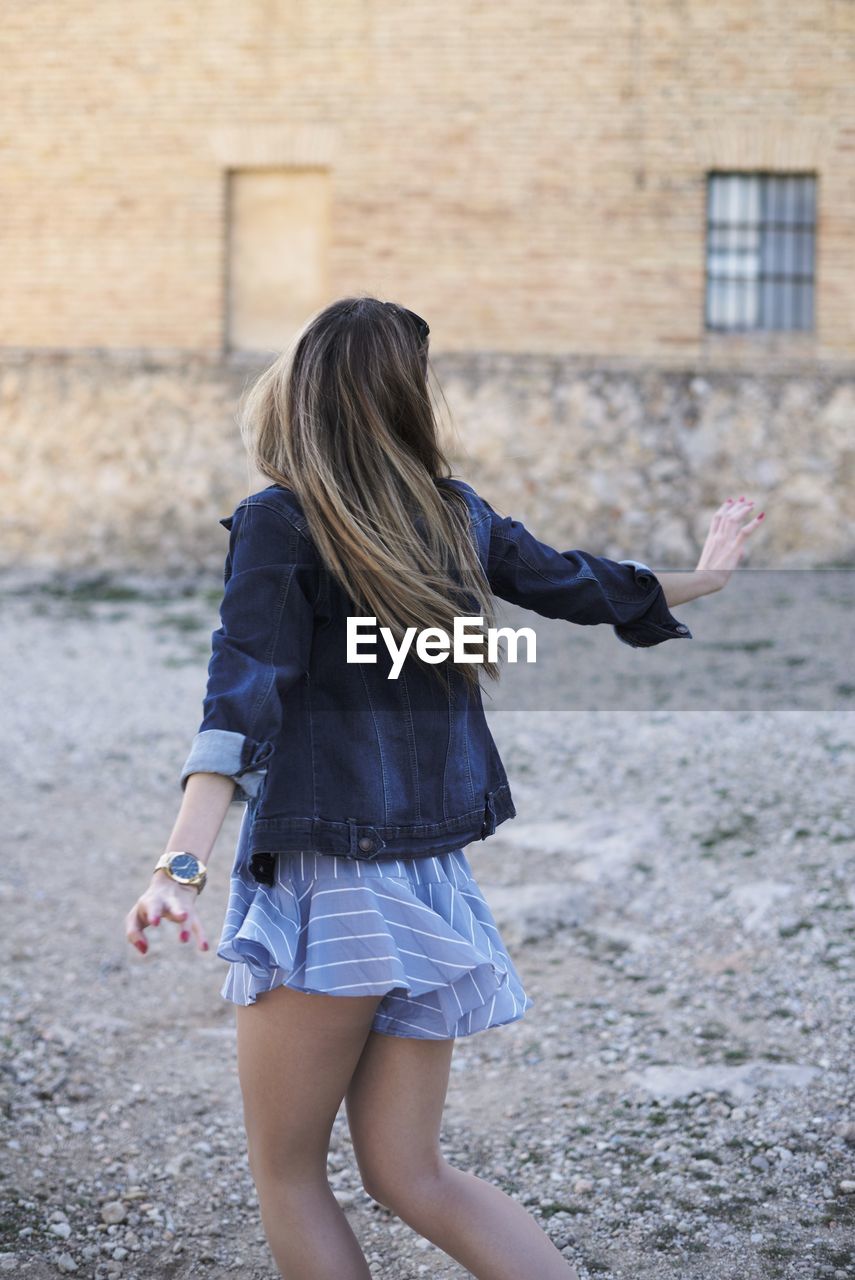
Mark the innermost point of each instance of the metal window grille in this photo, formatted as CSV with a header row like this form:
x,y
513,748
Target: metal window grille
x,y
761,232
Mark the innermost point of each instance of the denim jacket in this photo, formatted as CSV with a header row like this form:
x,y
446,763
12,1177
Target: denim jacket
x,y
335,757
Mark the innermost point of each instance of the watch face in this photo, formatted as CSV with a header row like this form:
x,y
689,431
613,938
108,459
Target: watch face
x,y
184,866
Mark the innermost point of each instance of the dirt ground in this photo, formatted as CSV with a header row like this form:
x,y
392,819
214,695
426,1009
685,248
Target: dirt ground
x,y
677,893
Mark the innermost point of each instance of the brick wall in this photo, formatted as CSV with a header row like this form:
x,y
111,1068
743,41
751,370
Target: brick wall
x,y
530,178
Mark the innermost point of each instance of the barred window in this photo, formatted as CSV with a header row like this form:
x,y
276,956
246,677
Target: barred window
x,y
760,251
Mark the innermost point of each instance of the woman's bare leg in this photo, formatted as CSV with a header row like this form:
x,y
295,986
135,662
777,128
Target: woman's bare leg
x,y
394,1108
296,1054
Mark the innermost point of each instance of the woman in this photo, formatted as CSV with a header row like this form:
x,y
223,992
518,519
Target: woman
x,y
359,944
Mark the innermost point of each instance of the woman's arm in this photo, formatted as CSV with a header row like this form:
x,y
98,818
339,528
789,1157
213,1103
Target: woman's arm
x,y
205,802
260,650
584,588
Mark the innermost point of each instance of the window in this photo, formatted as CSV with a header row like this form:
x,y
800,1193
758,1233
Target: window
x,y
278,249
760,251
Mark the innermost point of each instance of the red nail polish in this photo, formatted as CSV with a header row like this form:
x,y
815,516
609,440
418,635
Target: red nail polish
x,y
204,946
761,515
185,936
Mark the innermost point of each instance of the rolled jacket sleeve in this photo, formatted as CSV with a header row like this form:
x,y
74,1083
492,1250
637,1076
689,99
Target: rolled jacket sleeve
x,y
658,623
260,650
579,586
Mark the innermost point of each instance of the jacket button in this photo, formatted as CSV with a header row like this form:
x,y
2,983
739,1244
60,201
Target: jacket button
x,y
366,844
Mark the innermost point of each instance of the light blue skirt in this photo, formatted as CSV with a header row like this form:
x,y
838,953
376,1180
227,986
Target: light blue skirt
x,y
415,931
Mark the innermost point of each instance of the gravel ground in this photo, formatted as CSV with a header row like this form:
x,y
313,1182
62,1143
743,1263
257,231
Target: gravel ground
x,y
677,892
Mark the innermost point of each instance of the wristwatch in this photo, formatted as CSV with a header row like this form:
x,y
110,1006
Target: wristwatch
x,y
183,867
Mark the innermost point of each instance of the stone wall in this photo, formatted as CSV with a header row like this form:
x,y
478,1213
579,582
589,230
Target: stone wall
x,y
117,464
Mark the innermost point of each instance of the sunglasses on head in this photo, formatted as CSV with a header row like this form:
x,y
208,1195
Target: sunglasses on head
x,y
422,326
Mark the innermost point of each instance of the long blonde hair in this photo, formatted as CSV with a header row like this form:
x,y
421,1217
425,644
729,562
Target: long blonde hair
x,y
344,419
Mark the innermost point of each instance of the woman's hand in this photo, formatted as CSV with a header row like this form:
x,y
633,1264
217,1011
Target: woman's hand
x,y
726,539
165,899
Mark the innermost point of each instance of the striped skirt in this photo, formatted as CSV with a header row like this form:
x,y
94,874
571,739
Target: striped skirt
x,y
416,932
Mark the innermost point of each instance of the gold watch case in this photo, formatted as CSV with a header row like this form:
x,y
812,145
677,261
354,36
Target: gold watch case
x,y
194,872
